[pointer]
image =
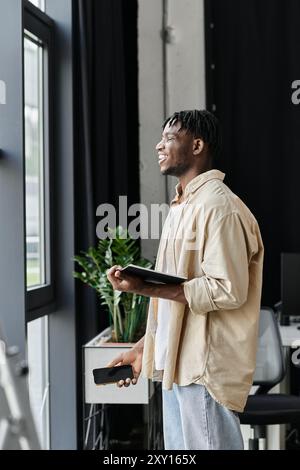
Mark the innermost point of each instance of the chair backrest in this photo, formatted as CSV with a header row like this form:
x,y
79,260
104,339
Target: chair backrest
x,y
270,364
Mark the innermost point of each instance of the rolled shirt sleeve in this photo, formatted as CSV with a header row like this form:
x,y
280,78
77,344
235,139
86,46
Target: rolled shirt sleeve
x,y
225,265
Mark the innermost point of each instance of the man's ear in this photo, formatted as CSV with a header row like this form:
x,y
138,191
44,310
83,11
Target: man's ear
x,y
198,146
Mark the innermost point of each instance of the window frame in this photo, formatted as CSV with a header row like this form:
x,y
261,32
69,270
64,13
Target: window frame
x,y
40,300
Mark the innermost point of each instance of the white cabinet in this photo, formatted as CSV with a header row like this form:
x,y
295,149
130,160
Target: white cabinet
x,y
97,353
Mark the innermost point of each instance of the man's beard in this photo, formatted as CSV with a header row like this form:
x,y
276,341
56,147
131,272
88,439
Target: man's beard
x,y
177,170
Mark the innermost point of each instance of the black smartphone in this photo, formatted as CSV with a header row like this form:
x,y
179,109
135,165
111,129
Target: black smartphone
x,y
108,375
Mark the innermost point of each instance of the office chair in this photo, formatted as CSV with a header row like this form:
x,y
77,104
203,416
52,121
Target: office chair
x,y
265,408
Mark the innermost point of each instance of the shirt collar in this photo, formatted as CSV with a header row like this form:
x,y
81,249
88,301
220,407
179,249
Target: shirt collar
x,y
196,182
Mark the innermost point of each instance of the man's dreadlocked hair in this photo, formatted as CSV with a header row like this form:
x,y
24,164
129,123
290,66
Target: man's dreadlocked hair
x,y
201,124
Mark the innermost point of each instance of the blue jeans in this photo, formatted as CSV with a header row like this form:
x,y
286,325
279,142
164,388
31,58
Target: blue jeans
x,y
193,420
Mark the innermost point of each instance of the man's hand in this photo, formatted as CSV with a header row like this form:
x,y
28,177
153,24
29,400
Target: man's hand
x,y
124,282
128,283
132,357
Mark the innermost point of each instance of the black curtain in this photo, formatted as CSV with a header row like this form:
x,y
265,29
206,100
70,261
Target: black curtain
x,y
252,58
106,133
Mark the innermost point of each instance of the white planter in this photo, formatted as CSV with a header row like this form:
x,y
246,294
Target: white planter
x,y
98,355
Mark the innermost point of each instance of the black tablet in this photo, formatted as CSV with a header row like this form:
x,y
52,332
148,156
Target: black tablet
x,y
150,275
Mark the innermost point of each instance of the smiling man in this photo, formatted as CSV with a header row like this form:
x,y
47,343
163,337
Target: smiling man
x,y
201,335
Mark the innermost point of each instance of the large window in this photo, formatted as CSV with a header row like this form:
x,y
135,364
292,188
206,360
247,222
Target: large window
x,y
38,207
36,318
38,160
34,161
38,360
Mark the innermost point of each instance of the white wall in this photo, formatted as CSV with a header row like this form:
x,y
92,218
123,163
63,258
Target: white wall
x,y
151,105
171,78
185,55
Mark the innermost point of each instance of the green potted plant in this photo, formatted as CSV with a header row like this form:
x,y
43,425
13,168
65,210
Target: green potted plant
x,y
127,312
127,315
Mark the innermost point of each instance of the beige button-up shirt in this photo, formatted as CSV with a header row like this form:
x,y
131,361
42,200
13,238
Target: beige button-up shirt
x,y
216,244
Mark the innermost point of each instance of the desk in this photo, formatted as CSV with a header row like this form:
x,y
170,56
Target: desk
x,y
290,335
